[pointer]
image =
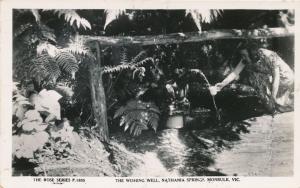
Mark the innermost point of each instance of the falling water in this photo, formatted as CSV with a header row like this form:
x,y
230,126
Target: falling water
x,y
213,97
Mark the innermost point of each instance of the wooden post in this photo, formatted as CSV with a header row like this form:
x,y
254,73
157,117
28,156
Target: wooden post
x,y
98,96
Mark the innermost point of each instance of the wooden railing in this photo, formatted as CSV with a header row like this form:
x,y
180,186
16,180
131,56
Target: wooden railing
x,y
174,38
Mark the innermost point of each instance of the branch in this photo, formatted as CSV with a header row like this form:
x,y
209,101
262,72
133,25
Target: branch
x,y
191,37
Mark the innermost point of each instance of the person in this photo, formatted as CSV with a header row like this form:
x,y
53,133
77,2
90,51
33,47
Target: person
x,y
267,73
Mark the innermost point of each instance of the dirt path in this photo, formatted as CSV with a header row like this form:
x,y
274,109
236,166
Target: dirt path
x,y
266,151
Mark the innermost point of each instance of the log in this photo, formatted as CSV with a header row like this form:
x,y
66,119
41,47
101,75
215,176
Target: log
x,y
98,97
175,38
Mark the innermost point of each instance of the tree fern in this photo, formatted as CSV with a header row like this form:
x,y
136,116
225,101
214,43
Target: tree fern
x,y
138,116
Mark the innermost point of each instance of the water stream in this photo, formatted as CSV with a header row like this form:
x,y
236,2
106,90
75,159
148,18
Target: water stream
x,y
212,96
171,152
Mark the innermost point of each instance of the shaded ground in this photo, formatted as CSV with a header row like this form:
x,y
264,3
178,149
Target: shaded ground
x,y
266,151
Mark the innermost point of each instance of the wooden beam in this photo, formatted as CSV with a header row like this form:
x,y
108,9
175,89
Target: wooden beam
x,y
175,38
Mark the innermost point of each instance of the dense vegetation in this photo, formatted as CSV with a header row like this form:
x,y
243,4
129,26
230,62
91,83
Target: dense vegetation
x,y
48,54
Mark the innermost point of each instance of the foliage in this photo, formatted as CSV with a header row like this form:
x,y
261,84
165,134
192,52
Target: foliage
x,y
111,15
138,116
19,105
67,62
59,144
135,64
71,16
46,53
31,133
203,16
44,68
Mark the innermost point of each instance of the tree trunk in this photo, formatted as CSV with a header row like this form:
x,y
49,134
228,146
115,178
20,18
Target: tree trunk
x,y
98,96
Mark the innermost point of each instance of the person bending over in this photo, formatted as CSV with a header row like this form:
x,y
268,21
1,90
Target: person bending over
x,y
266,72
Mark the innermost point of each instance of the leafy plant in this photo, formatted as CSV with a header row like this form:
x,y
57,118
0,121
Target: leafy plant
x,y
67,62
203,16
31,133
72,16
111,15
32,137
44,68
136,64
137,116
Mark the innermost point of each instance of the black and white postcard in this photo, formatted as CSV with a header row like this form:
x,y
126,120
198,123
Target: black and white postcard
x,y
140,93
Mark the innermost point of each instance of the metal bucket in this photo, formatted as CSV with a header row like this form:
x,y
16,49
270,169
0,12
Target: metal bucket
x,y
175,122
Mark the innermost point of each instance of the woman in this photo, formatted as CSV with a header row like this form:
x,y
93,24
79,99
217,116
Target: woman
x,y
267,73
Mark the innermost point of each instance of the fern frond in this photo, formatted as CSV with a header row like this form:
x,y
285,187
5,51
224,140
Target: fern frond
x,y
139,57
203,16
36,15
67,62
72,17
111,15
77,47
53,70
119,112
124,56
138,116
148,60
44,68
122,67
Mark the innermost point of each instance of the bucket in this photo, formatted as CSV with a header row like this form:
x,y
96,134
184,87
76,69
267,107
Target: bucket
x,y
175,122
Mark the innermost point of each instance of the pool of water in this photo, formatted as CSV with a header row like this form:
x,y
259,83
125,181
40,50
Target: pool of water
x,y
209,152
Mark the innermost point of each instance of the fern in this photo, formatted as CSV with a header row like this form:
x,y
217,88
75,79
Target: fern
x,y
77,47
148,60
44,68
71,16
203,16
139,57
116,69
124,56
67,62
138,116
134,64
36,15
111,15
